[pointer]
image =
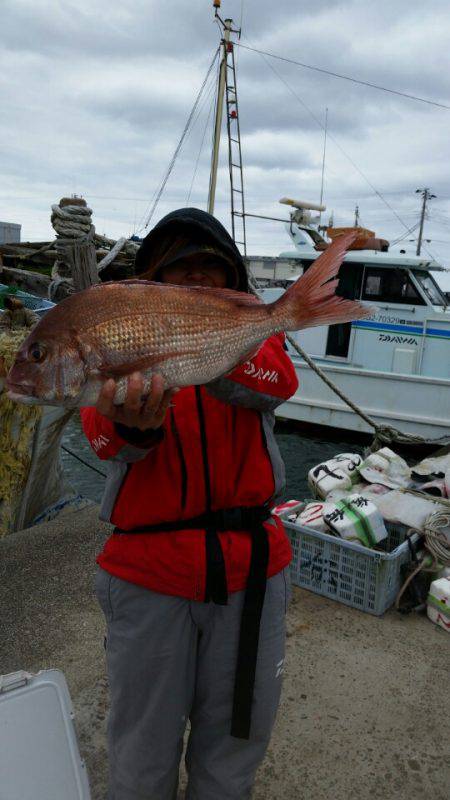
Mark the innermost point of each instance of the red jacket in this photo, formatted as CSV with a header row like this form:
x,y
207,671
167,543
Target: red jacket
x,y
161,479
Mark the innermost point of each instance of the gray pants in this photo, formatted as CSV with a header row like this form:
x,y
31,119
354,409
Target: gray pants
x,y
170,659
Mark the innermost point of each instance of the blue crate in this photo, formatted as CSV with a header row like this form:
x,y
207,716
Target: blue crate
x,y
350,573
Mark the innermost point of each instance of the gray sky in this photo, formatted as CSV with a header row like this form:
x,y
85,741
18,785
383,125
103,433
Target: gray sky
x,y
94,97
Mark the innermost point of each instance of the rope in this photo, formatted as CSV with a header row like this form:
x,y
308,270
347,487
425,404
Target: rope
x,y
436,531
180,143
72,222
200,150
119,245
384,434
424,565
436,539
86,463
344,77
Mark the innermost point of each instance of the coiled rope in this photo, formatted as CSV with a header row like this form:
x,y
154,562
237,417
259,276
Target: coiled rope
x,y
71,221
437,535
436,532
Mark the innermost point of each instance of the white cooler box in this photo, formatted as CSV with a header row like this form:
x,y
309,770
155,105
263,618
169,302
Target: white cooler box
x,y
39,757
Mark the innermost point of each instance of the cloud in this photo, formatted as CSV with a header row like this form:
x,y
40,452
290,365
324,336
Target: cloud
x,y
95,97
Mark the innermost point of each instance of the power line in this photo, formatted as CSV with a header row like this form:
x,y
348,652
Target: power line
x,y
345,77
321,125
404,235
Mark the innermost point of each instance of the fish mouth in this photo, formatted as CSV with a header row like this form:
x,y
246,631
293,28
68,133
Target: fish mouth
x,y
20,393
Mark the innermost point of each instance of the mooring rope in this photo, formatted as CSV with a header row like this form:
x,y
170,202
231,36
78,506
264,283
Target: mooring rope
x,y
86,463
72,222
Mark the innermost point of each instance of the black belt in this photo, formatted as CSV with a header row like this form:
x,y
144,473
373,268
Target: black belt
x,y
241,518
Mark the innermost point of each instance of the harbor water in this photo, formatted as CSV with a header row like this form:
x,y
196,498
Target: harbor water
x,y
301,451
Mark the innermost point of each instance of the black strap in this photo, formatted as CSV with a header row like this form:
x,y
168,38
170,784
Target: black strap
x,y
239,518
249,635
216,579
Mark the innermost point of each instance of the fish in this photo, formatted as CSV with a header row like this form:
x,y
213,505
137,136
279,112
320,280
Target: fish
x,y
189,335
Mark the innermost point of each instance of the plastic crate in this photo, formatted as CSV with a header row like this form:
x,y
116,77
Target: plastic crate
x,y
350,573
36,304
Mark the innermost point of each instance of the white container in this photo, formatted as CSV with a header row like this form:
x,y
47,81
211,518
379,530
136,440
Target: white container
x,y
355,519
438,603
337,473
289,505
312,517
39,757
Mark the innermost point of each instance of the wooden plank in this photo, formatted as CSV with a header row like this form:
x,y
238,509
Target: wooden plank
x,y
81,257
28,281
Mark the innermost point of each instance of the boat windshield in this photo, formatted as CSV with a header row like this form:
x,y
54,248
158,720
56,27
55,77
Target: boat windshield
x,y
430,287
386,285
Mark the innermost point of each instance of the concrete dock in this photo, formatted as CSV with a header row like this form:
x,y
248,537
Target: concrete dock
x,y
366,703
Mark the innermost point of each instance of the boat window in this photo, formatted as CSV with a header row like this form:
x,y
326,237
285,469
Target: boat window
x,y
430,287
350,280
349,277
390,286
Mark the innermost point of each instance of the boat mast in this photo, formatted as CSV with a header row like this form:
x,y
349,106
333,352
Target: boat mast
x,y
228,86
219,108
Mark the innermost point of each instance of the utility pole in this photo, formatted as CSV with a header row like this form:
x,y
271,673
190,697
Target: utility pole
x,y
356,216
219,111
426,195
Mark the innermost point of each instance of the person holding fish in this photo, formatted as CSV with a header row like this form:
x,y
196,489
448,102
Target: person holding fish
x,y
179,373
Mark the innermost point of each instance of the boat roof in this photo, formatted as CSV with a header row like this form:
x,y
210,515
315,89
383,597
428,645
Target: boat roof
x,y
373,258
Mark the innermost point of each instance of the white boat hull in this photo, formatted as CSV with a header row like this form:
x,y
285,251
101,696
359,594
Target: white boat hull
x,y
413,404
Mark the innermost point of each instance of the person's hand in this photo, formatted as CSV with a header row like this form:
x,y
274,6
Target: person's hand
x,y
135,413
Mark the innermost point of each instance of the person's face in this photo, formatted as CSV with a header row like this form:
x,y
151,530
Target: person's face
x,y
195,271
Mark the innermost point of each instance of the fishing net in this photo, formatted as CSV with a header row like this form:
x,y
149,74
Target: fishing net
x,y
31,473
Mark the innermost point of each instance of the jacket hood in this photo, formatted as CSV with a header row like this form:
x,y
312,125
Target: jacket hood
x,y
201,228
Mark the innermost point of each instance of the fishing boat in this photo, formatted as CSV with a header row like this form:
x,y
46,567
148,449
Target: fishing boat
x,y
396,365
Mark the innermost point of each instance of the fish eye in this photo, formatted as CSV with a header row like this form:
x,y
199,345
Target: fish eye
x,y
37,352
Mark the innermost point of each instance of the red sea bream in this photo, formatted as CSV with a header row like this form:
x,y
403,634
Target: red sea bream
x,y
188,335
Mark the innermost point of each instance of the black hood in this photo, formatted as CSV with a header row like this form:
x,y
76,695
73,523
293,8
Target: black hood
x,y
199,226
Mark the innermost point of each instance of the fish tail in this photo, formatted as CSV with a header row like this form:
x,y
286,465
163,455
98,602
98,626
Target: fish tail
x,y
312,299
